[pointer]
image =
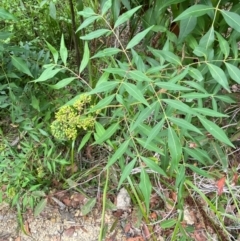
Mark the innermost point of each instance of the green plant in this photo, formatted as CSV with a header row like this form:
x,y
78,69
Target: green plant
x,y
45,20
27,150
168,101
158,106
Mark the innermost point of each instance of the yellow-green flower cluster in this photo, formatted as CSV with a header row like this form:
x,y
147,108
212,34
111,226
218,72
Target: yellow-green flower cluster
x,y
11,192
71,118
82,102
40,172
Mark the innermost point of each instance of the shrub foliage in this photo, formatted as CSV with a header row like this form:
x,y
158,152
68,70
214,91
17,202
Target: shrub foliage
x,y
155,86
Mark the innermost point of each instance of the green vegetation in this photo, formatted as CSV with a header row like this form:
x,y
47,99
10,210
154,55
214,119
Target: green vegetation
x,y
155,84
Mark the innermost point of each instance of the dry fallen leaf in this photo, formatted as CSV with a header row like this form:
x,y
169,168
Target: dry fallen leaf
x,y
18,239
235,179
89,152
69,232
199,236
78,197
118,213
146,231
220,185
127,227
83,229
153,216
67,201
173,196
188,217
26,228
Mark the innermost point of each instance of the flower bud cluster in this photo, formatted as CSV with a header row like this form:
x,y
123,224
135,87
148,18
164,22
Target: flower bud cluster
x,y
70,119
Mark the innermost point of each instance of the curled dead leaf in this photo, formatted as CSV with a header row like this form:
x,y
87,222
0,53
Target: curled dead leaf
x,y
89,152
67,201
173,196
235,179
78,197
127,227
26,228
220,185
153,216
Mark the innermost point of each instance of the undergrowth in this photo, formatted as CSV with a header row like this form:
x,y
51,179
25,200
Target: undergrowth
x,y
159,95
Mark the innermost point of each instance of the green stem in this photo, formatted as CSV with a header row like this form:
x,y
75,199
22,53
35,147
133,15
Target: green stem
x,y
175,232
72,156
90,74
141,208
104,206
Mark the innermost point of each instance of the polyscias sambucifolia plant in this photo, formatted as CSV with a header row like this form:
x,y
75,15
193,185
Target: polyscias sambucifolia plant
x,y
161,109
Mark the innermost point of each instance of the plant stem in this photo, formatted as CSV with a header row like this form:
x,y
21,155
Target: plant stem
x,y
72,157
74,35
141,207
104,206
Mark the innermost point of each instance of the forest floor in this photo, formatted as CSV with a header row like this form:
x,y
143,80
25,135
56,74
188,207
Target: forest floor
x,y
54,224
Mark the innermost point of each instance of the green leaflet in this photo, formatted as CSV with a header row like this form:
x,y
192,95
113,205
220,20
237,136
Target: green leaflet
x,y
135,93
95,34
224,46
184,124
187,26
106,52
118,153
21,65
87,22
218,74
126,16
146,187
62,83
104,87
103,103
179,105
63,51
53,51
232,19
136,39
86,208
215,130
195,11
126,171
6,15
207,40
40,206
86,56
153,166
172,86
174,146
234,72
106,6
47,74
106,134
